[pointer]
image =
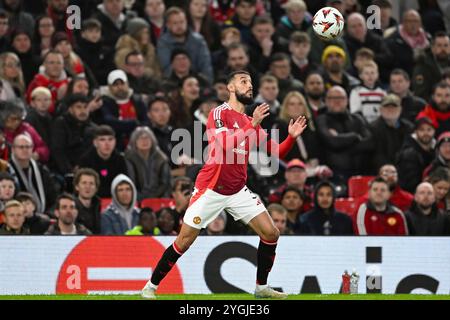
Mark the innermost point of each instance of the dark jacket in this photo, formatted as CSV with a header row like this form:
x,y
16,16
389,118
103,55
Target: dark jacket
x,y
110,31
285,28
152,176
4,231
441,119
437,162
388,140
42,124
54,230
412,106
345,153
287,85
107,169
411,161
377,45
30,65
90,217
402,53
37,224
163,135
437,223
144,85
310,138
97,57
71,138
319,221
427,72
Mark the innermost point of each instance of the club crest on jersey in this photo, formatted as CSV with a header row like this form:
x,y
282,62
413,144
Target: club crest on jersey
x,y
197,220
218,123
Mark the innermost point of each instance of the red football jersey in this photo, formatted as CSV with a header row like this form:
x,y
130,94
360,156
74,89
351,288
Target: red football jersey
x,y
231,136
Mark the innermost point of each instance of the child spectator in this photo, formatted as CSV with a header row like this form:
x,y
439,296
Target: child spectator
x,y
146,225
7,191
299,47
14,219
366,97
362,56
37,223
38,115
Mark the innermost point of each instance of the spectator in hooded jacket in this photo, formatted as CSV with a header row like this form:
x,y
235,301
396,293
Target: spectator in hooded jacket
x,y
323,219
122,214
416,154
377,216
424,217
438,110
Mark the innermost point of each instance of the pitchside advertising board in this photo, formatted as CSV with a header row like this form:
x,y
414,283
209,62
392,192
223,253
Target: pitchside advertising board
x,y
92,265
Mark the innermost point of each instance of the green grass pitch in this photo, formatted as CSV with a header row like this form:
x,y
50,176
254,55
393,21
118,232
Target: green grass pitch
x,y
233,297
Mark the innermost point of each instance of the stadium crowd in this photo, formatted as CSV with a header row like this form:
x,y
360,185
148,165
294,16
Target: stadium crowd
x,y
89,116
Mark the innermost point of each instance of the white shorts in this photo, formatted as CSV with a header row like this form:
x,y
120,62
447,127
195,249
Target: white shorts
x,y
204,208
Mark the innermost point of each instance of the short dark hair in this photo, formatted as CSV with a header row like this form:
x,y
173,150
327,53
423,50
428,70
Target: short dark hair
x,y
300,193
441,85
365,52
86,172
75,98
439,34
146,210
64,195
132,53
400,72
378,180
6,176
3,14
250,2
52,51
279,56
104,130
180,180
155,99
235,73
26,196
262,20
439,174
382,3
90,24
178,51
299,37
237,45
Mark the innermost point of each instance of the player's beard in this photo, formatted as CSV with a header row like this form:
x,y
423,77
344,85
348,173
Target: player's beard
x,y
242,98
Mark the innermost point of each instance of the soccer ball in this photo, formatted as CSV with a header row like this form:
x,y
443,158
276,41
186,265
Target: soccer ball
x,y
328,23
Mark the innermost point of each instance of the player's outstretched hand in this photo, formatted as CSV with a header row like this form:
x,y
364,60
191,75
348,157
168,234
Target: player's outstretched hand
x,y
260,113
297,127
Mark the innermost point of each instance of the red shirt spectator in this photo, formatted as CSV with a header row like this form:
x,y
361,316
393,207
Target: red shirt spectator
x,y
377,216
52,77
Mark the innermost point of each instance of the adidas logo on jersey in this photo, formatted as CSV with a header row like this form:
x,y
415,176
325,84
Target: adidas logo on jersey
x,y
235,125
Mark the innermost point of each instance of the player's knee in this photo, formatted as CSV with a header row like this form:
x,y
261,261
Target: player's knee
x,y
273,234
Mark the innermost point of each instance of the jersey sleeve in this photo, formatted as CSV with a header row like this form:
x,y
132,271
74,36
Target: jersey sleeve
x,y
219,133
272,146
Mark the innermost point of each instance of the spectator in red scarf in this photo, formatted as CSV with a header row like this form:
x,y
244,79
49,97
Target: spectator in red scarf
x,y
438,110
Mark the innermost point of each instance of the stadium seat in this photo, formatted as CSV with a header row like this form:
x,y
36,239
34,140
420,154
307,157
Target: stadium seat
x,y
157,203
105,202
346,205
358,185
